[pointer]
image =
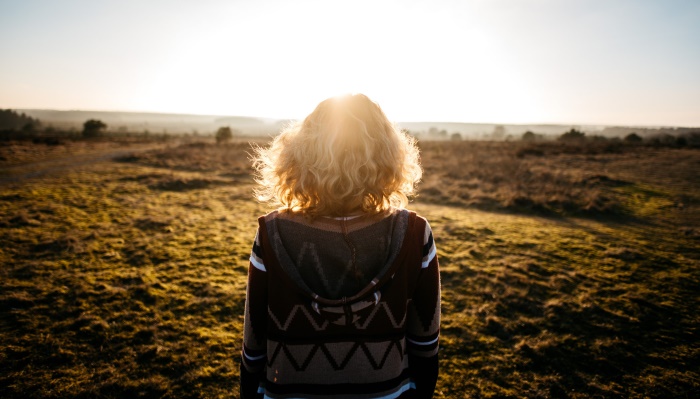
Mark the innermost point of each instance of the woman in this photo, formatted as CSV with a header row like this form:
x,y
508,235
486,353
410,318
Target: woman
x,y
343,296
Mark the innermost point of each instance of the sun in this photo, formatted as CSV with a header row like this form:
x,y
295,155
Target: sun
x,y
282,70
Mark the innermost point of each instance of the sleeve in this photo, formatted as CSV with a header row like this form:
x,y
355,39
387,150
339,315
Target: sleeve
x,y
254,353
423,328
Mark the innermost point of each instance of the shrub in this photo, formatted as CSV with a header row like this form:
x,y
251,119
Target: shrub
x,y
529,136
572,135
633,138
663,139
692,139
224,135
93,127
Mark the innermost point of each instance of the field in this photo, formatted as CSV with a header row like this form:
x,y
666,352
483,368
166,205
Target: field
x,y
568,271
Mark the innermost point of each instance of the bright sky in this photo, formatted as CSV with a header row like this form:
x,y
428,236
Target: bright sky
x,y
633,62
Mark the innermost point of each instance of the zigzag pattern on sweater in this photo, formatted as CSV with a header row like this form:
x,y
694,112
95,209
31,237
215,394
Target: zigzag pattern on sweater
x,y
296,309
322,326
389,313
301,362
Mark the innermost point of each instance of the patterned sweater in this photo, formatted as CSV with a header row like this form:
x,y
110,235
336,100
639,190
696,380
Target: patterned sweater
x,y
342,307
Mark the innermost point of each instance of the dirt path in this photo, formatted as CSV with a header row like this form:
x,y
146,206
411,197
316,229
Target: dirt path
x,y
29,170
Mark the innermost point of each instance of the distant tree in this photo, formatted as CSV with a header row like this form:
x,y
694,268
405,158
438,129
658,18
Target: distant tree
x,y
29,127
93,127
11,120
529,136
633,138
573,135
692,138
663,139
456,136
499,131
224,135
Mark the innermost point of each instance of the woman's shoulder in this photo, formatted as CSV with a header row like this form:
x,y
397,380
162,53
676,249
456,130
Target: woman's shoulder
x,y
270,215
422,219
400,216
280,214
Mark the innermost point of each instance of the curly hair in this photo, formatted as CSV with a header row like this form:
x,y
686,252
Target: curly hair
x,y
345,157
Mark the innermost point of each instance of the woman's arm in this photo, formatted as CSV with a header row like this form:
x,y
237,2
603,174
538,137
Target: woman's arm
x,y
423,329
254,354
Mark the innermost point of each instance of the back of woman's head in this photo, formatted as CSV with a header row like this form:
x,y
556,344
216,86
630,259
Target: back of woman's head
x,y
346,156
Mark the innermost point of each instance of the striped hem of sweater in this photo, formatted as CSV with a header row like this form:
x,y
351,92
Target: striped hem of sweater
x,y
270,391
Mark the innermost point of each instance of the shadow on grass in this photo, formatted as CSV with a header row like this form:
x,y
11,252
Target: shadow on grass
x,y
168,182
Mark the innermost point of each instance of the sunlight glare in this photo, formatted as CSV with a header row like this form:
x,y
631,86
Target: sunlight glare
x,y
415,74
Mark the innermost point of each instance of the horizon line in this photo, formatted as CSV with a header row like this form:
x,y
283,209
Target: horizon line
x,y
573,124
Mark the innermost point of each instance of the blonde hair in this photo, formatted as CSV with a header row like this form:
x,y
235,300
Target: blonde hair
x,y
344,157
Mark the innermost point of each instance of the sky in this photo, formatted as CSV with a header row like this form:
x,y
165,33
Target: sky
x,y
592,62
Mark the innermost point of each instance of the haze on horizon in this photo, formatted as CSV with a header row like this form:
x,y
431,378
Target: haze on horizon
x,y
596,62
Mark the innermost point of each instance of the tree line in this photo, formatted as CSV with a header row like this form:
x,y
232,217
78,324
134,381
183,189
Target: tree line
x,y
16,125
13,121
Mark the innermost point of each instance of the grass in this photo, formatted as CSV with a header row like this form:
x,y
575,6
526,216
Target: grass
x,y
127,279
22,152
556,181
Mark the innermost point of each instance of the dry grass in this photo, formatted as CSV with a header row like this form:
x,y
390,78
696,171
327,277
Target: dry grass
x,y
127,279
20,152
593,179
230,158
